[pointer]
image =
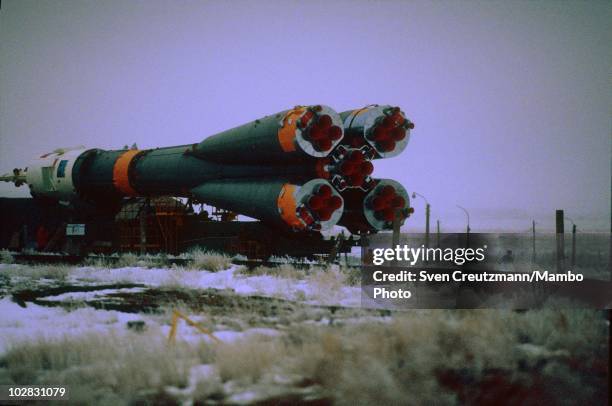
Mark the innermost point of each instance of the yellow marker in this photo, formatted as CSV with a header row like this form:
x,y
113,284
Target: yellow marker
x,y
176,315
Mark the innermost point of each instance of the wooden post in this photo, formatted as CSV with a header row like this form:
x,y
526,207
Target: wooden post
x,y
573,246
533,242
560,229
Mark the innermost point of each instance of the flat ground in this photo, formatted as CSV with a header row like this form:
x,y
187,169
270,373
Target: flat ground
x,y
279,335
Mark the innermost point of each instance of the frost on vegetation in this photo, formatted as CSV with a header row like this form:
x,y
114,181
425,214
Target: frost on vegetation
x,y
129,259
209,261
101,368
6,257
285,270
325,277
373,362
54,272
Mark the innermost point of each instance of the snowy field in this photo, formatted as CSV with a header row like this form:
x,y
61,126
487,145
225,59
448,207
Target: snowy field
x,y
279,335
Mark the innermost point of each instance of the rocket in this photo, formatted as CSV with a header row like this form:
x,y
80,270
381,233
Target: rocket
x,y
307,168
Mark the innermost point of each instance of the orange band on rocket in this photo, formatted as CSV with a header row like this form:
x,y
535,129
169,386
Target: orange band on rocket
x,y
287,133
287,206
121,179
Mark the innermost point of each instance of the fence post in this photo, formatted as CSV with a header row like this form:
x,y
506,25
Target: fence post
x,y
573,246
533,242
395,240
560,229
365,244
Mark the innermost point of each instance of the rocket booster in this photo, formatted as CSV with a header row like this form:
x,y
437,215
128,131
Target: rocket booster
x,y
307,168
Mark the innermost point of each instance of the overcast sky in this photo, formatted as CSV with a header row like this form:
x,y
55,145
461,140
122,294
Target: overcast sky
x,y
512,100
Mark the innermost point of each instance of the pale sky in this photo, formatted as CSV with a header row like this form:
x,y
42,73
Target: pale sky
x,y
512,101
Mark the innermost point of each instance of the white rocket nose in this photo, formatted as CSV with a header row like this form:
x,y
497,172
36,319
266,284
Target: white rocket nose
x,y
51,175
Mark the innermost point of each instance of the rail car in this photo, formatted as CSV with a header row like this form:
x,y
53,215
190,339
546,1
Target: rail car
x,y
157,225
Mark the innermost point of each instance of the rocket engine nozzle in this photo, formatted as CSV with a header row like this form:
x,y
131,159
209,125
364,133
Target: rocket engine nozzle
x,y
384,202
352,167
376,209
320,207
318,125
384,128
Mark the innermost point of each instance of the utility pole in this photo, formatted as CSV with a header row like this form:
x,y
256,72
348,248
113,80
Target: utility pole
x,y
427,212
467,234
427,215
438,233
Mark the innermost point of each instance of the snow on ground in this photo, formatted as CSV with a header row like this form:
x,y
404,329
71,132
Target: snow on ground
x,y
82,296
19,323
261,285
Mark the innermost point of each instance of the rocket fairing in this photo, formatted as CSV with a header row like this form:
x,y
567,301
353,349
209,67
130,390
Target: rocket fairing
x,y
307,168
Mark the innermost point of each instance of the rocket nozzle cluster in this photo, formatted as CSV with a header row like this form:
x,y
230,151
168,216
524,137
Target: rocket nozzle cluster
x,y
377,208
320,130
389,130
354,169
321,204
385,128
385,202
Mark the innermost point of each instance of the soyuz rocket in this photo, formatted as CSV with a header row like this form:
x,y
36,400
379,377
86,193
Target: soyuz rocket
x,y
307,169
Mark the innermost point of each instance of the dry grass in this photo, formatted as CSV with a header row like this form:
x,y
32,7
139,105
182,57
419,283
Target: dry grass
x,y
382,362
248,360
103,368
326,276
285,271
6,257
127,259
55,272
209,261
